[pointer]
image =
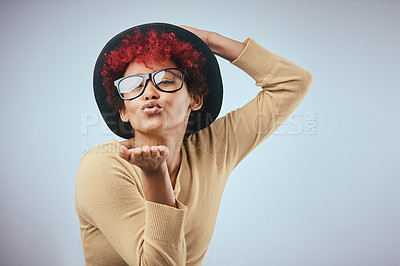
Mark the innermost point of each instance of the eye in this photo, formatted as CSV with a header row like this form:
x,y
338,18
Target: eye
x,y
131,84
166,82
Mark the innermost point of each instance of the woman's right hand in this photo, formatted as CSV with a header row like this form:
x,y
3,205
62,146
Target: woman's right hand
x,y
156,181
149,159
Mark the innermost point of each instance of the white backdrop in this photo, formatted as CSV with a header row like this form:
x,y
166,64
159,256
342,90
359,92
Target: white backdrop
x,y
322,190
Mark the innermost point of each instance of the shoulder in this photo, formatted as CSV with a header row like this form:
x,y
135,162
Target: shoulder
x,y
108,149
101,171
103,163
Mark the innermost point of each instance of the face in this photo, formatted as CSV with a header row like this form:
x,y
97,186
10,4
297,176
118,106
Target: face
x,y
171,113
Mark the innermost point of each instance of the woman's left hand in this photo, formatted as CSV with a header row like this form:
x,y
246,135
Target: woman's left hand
x,y
202,34
219,45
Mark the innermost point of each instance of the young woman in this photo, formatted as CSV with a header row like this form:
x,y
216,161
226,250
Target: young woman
x,y
153,199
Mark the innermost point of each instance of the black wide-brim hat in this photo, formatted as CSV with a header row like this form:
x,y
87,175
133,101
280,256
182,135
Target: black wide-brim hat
x,y
212,104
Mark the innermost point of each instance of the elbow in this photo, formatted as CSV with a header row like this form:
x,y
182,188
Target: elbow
x,y
309,78
306,81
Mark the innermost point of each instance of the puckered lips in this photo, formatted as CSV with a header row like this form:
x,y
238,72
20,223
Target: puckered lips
x,y
152,107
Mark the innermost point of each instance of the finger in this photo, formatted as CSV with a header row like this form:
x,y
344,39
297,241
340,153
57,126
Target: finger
x,y
154,152
189,28
192,30
146,152
163,151
202,34
124,153
129,143
137,154
184,26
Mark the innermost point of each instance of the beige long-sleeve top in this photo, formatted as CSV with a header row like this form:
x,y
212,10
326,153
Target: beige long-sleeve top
x,y
119,227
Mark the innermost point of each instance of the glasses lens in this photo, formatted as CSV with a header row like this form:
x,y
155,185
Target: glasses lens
x,y
168,79
131,87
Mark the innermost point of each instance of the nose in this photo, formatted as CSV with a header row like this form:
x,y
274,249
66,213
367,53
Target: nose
x,y
150,91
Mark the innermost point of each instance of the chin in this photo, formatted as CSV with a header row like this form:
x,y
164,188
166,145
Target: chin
x,y
150,128
159,126
159,129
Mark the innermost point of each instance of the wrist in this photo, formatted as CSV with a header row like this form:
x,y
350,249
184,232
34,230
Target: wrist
x,y
211,38
158,172
225,47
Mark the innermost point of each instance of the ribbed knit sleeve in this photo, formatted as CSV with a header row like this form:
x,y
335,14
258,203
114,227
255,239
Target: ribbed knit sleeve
x,y
284,85
140,231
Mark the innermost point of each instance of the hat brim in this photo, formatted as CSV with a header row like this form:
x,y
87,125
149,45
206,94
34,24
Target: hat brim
x,y
212,104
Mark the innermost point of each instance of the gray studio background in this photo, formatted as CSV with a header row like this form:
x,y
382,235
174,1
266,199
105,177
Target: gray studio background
x,y
322,190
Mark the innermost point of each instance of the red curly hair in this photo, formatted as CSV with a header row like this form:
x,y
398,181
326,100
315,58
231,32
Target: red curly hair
x,y
154,46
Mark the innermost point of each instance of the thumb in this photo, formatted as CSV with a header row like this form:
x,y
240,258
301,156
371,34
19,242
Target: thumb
x,y
123,152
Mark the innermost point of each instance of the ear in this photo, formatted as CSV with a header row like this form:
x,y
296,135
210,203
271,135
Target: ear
x,y
196,102
124,114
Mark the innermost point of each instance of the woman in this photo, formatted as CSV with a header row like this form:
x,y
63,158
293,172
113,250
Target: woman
x,y
153,199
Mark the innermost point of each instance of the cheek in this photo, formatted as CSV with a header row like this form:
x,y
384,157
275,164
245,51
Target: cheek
x,y
132,108
179,108
182,102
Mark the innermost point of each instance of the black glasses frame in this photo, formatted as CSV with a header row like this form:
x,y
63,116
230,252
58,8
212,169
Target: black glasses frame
x,y
146,77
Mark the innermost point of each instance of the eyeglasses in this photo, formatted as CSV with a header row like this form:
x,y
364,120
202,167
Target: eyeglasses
x,y
166,80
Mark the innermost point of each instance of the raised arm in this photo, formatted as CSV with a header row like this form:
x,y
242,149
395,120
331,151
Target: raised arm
x,y
284,85
220,45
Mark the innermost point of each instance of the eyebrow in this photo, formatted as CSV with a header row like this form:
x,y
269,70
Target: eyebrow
x,y
168,70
